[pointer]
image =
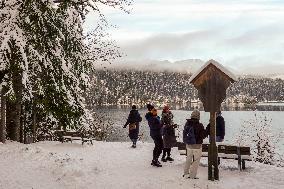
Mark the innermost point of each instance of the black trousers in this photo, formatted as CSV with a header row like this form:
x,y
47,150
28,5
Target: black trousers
x,y
158,147
166,151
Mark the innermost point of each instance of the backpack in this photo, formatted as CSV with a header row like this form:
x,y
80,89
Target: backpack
x,y
132,126
188,135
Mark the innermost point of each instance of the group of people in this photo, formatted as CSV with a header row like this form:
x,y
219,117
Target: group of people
x,y
162,131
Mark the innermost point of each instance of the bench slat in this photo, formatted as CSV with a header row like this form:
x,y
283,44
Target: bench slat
x,y
76,138
75,135
240,153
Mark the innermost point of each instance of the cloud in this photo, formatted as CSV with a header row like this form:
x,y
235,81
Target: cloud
x,y
234,32
169,46
262,45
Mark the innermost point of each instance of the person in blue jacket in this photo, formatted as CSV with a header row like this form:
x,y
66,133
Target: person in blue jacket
x,y
155,125
133,121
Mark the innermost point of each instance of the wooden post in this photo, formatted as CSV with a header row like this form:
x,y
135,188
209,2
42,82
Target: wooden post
x,y
211,81
213,170
239,158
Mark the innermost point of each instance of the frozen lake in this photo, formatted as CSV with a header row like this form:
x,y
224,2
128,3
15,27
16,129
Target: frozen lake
x,y
234,120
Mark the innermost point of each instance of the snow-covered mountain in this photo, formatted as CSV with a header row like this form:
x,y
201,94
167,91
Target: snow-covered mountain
x,y
192,65
277,76
269,71
184,66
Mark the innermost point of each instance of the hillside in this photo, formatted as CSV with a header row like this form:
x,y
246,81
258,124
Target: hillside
x,y
115,87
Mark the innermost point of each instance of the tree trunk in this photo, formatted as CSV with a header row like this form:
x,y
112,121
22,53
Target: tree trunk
x,y
13,119
10,114
22,125
34,123
17,86
3,117
16,77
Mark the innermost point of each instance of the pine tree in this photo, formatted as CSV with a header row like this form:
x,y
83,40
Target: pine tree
x,y
47,60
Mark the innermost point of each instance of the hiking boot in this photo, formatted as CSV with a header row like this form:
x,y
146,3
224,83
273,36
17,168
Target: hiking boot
x,y
156,164
133,146
188,177
169,159
164,159
193,178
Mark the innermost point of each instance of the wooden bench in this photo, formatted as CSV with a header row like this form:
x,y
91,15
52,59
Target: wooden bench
x,y
240,153
66,136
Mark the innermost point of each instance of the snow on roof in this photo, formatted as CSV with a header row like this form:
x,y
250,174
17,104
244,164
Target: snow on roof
x,y
217,65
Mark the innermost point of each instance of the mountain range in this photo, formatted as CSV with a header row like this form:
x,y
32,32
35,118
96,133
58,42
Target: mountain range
x,y
192,65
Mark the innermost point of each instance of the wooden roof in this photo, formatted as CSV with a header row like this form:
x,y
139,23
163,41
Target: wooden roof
x,y
218,66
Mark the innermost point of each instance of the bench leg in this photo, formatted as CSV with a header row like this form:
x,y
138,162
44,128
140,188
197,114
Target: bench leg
x,y
243,164
240,163
239,158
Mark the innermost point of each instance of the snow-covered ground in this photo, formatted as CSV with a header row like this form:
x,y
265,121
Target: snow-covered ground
x,y
115,165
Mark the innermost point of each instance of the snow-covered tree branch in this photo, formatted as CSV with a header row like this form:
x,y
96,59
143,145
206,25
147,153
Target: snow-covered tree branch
x,y
257,133
46,59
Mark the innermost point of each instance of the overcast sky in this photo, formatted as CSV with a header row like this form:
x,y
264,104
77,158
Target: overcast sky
x,y
237,33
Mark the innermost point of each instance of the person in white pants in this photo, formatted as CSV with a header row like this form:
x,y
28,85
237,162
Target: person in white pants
x,y
194,153
193,135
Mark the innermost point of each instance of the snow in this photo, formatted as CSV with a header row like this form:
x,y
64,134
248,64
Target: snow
x,y
52,165
270,104
218,65
280,76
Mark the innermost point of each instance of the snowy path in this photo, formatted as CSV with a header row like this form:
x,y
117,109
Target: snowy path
x,y
116,165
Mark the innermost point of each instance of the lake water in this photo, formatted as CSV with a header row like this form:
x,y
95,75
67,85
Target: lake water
x,y
234,121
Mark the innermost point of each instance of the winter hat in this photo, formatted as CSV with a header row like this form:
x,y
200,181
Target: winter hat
x,y
150,107
133,107
166,107
195,114
219,113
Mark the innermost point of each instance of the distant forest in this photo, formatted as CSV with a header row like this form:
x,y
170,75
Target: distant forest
x,y
117,87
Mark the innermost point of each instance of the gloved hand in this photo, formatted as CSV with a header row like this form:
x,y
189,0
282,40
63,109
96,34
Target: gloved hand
x,y
124,126
175,125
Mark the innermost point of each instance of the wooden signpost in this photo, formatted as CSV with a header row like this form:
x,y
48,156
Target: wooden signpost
x,y
212,81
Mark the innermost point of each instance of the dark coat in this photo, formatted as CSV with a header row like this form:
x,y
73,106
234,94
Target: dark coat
x,y
199,131
169,137
133,117
220,127
147,116
155,125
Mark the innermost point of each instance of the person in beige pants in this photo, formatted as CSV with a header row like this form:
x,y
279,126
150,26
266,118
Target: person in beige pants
x,y
194,153
193,136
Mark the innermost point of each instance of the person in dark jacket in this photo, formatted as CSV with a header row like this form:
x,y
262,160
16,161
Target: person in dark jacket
x,y
169,138
194,150
220,127
155,125
133,121
150,108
